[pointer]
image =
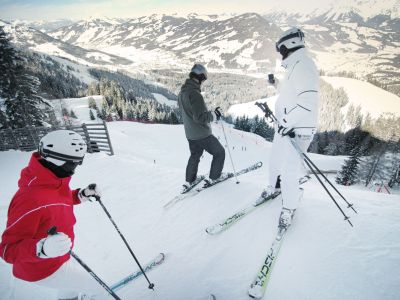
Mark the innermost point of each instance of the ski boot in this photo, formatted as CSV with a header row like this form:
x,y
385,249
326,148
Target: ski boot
x,y
286,217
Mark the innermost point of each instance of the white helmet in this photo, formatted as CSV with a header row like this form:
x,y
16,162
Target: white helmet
x,y
199,72
62,146
292,38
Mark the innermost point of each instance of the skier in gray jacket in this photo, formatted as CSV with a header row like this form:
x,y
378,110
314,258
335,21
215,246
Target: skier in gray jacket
x,y
196,121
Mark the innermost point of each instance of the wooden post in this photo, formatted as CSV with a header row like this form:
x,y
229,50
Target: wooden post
x,y
108,138
89,145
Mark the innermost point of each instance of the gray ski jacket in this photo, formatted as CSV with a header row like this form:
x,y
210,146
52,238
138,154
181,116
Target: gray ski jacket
x,y
196,117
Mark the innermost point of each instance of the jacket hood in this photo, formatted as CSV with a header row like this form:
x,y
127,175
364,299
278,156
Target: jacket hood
x,y
190,84
294,57
35,174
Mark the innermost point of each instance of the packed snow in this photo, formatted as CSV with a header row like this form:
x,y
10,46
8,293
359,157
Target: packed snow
x,y
322,257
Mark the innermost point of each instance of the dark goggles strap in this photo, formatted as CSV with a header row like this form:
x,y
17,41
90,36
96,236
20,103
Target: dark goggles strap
x,y
299,34
49,153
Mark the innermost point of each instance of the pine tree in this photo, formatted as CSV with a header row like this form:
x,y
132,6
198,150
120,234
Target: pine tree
x,y
92,103
8,64
91,115
73,115
3,120
357,143
26,108
348,174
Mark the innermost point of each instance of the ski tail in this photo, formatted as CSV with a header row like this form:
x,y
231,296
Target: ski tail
x,y
195,191
259,285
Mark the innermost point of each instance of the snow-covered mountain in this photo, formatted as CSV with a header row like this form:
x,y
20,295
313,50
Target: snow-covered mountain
x,y
347,39
44,25
343,39
335,9
27,37
244,41
321,257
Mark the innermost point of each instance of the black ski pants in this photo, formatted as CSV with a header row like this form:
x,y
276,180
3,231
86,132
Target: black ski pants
x,y
197,147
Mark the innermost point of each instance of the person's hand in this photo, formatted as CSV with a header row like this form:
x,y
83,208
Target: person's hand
x,y
90,191
285,131
218,113
55,245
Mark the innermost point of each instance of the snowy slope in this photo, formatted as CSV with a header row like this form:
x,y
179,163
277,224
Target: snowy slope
x,y
371,99
321,258
79,106
164,100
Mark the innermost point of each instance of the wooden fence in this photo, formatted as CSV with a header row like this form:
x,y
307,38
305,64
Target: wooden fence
x,y
27,139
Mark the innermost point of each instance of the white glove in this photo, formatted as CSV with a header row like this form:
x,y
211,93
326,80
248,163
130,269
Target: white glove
x,y
55,245
90,191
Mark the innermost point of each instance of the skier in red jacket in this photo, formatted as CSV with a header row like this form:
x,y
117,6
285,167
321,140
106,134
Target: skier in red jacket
x,y
43,200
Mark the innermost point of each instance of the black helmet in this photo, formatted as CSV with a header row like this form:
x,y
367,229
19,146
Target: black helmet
x,y
199,72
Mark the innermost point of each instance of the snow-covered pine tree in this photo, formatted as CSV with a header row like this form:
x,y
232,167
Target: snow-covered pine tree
x,y
92,103
25,107
8,64
356,143
348,174
19,89
8,60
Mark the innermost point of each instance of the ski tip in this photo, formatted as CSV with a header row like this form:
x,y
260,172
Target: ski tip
x,y
208,297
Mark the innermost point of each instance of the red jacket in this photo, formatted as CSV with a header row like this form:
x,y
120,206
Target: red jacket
x,y
43,200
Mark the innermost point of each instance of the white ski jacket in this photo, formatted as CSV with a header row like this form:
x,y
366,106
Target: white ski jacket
x,y
297,103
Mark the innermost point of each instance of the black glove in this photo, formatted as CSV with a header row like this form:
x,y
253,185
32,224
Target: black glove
x,y
218,113
86,194
284,131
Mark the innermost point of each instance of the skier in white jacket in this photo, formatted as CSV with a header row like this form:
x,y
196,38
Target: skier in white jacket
x,y
296,110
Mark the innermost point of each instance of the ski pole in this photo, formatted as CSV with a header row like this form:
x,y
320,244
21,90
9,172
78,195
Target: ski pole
x,y
306,158
346,218
151,285
270,115
229,151
53,231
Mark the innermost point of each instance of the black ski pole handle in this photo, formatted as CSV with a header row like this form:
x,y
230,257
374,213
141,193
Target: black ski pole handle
x,y
93,186
52,230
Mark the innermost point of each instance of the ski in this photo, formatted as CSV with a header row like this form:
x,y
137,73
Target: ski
x,y
149,266
194,184
228,222
206,185
209,297
259,285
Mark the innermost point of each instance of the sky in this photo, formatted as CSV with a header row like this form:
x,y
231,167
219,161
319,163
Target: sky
x,y
82,9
